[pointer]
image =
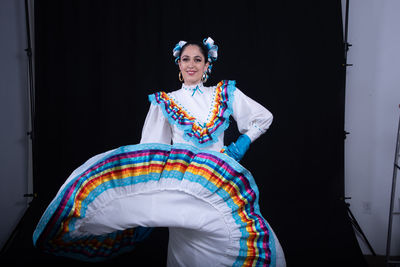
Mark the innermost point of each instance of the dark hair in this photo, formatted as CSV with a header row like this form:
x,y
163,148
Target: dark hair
x,y
203,48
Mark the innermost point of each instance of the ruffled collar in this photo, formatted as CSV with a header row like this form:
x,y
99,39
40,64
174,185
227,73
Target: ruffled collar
x,y
202,135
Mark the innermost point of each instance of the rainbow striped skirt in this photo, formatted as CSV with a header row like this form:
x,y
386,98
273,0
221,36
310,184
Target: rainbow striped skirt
x,y
208,201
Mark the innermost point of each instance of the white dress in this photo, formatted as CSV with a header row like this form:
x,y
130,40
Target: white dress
x,y
252,118
207,199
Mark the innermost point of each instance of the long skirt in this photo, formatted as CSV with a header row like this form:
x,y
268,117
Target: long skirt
x,y
208,201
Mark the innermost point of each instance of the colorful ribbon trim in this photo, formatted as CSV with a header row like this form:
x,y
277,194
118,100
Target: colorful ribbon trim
x,y
131,165
200,135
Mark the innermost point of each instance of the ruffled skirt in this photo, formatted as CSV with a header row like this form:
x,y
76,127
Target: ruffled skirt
x,y
208,201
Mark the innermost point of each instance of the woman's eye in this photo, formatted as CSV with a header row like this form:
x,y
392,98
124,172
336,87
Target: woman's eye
x,y
197,60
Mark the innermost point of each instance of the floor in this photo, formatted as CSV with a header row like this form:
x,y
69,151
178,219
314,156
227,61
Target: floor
x,y
380,261
21,250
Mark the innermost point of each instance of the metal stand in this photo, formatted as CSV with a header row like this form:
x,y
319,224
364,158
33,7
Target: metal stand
x,y
31,91
28,51
358,228
347,45
30,133
391,213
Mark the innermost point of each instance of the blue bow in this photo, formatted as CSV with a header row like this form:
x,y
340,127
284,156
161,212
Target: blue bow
x,y
195,89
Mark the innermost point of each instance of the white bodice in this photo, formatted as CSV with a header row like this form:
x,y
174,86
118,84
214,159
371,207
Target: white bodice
x,y
205,107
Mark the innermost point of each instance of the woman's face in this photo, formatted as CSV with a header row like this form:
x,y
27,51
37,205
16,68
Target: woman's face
x,y
192,64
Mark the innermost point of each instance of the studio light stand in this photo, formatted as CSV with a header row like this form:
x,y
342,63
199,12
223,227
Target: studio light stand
x,y
28,51
31,90
347,46
30,133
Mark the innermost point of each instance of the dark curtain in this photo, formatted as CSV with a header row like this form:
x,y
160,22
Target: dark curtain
x,y
96,62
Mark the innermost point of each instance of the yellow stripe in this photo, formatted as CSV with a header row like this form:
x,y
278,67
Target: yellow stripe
x,y
194,168
250,225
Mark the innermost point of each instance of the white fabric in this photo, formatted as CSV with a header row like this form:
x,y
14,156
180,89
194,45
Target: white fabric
x,y
201,236
156,128
252,118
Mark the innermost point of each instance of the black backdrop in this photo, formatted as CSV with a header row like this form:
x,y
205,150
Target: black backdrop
x,y
96,62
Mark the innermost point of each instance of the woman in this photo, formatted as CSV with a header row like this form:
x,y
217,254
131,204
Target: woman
x,y
206,198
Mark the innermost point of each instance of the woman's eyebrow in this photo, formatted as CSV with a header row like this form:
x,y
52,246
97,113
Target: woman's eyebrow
x,y
193,56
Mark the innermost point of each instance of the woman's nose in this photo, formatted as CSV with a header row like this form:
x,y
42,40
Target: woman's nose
x,y
191,63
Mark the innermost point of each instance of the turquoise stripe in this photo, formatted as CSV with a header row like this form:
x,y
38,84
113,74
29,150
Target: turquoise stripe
x,y
173,175
186,125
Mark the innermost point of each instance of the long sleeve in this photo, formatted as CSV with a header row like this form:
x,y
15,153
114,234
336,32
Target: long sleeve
x,y
156,128
252,118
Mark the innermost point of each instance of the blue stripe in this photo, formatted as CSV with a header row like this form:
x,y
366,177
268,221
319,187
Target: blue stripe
x,y
187,154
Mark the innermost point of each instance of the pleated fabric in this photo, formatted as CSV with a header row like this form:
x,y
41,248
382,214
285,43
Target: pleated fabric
x,y
208,200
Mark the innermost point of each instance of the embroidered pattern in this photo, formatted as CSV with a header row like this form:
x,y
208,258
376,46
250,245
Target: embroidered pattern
x,y
201,135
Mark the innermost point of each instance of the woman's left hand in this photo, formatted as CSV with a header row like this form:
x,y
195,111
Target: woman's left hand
x,y
237,149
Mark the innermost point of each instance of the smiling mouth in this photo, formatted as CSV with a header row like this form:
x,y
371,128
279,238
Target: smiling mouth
x,y
191,72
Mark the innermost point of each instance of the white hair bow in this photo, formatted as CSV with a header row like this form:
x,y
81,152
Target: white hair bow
x,y
177,49
212,49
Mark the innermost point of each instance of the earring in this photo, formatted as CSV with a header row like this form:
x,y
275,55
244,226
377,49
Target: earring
x,y
204,78
180,77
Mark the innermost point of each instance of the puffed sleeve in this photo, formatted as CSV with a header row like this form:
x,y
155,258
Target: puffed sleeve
x,y
252,118
156,128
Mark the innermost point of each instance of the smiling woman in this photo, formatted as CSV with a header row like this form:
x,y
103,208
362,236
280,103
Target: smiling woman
x,y
180,176
192,64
